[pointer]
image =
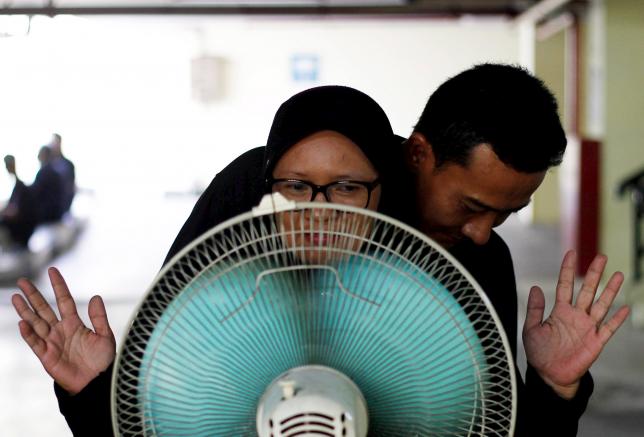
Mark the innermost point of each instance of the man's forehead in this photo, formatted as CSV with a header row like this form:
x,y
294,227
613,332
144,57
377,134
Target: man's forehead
x,y
492,184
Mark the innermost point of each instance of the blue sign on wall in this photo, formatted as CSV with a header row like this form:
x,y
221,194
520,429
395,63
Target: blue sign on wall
x,y
305,67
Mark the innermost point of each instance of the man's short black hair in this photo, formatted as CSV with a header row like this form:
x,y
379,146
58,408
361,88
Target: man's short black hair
x,y
501,105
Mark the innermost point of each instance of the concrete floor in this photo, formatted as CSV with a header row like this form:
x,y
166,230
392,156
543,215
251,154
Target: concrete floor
x,y
118,259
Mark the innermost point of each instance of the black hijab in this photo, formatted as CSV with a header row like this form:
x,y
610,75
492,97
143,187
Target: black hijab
x,y
240,186
342,109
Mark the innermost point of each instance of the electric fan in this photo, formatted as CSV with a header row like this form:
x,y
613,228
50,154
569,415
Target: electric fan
x,y
318,319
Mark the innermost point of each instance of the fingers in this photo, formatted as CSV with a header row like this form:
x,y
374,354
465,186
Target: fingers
x,y
36,343
98,317
37,301
609,328
600,308
536,306
37,324
566,281
591,282
64,299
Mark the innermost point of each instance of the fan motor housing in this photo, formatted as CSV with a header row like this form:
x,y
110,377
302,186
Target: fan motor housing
x,y
312,400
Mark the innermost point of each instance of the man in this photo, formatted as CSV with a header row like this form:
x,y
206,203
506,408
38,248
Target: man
x,y
65,168
479,151
481,148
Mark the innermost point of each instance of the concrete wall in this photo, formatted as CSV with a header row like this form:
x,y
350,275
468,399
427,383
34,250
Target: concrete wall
x,y
549,66
623,151
119,90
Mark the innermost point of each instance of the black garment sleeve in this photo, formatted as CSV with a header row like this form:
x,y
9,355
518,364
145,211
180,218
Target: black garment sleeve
x,y
88,413
236,189
541,412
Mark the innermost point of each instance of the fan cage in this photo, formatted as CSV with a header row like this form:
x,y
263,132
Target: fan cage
x,y
319,236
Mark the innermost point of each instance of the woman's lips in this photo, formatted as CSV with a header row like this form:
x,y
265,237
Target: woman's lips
x,y
317,239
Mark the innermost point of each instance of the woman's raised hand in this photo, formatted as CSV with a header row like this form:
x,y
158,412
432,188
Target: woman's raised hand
x,y
69,351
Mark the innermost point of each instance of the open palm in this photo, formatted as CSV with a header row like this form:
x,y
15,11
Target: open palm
x,y
563,347
69,351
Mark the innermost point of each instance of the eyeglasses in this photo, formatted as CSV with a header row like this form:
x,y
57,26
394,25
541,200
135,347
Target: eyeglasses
x,y
353,193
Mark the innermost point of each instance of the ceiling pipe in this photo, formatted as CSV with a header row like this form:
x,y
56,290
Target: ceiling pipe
x,y
541,10
410,9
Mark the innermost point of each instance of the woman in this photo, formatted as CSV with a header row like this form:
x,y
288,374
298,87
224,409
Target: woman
x,y
326,144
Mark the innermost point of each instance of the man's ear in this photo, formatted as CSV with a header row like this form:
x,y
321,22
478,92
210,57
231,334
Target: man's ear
x,y
419,153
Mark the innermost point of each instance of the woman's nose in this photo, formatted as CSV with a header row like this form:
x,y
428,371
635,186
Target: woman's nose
x,y
319,197
318,213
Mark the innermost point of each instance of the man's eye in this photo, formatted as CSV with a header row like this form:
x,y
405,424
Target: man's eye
x,y
471,209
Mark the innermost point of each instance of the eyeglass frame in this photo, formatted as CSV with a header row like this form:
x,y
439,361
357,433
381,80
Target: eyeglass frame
x,y
370,186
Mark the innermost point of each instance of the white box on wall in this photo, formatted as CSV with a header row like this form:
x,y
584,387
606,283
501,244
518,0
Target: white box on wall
x,y
208,81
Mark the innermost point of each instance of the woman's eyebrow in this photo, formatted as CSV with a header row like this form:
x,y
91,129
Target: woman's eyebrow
x,y
334,177
294,175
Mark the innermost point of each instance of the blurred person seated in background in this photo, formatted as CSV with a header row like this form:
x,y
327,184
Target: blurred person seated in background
x,y
48,189
65,168
17,218
43,201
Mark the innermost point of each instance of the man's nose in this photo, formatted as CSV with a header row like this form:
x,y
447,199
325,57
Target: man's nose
x,y
478,229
